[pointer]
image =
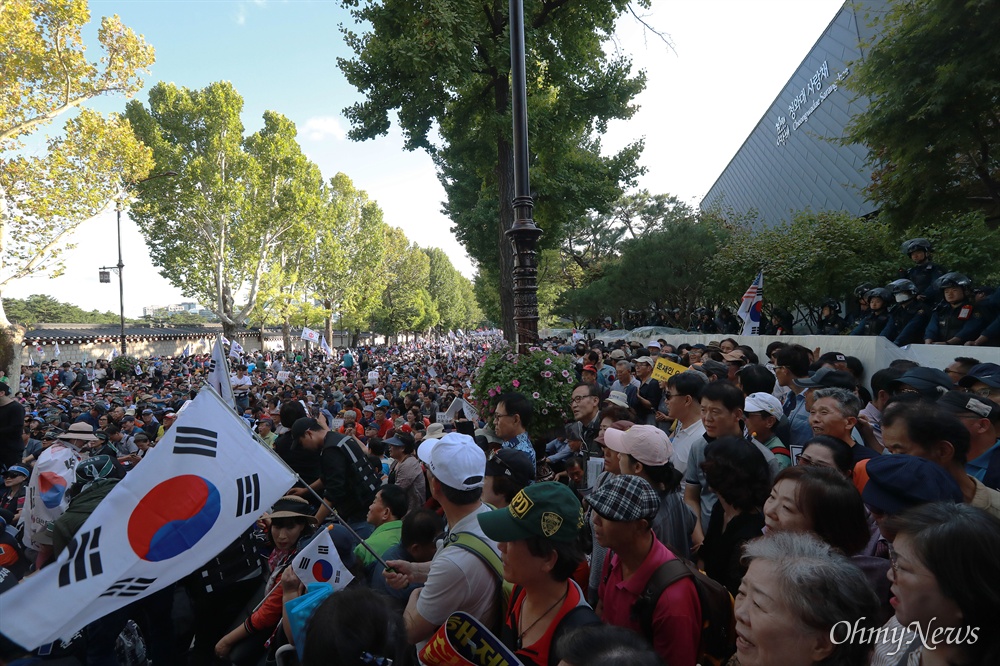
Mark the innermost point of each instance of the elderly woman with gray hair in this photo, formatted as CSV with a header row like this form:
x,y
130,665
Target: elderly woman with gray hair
x,y
795,602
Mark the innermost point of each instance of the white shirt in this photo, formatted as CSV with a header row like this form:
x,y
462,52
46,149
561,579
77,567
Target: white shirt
x,y
682,440
459,581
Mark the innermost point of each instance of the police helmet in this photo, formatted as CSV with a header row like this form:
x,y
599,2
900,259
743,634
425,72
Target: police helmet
x,y
831,303
863,289
954,280
914,244
880,292
900,286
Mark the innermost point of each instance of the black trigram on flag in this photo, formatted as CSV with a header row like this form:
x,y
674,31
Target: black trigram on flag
x,y
304,563
323,549
196,441
84,559
247,494
129,587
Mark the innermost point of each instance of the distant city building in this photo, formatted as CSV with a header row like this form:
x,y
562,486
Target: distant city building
x,y
188,307
793,160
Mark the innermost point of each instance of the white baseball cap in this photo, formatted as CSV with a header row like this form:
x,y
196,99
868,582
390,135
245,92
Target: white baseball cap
x,y
763,402
646,443
619,398
455,460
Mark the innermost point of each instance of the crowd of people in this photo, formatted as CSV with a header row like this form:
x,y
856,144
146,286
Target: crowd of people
x,y
795,508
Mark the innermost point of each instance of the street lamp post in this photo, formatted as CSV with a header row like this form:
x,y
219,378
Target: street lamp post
x,y
524,233
121,265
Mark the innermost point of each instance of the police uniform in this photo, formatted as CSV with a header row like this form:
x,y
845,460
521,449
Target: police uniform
x,y
907,322
962,321
925,276
872,324
832,325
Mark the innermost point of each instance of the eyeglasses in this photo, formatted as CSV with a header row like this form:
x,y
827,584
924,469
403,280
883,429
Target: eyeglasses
x,y
893,561
806,461
674,395
579,398
986,392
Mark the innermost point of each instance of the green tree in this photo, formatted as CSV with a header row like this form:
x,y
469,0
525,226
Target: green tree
x,y
813,257
214,230
446,66
44,74
406,304
39,308
932,126
346,270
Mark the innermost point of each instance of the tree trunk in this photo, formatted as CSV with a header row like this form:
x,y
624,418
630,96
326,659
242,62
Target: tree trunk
x,y
262,337
11,338
328,324
286,334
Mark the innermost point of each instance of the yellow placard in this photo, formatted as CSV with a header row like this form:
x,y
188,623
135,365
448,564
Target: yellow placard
x,y
665,369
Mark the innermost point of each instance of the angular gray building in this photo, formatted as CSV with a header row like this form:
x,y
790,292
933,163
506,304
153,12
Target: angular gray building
x,y
792,160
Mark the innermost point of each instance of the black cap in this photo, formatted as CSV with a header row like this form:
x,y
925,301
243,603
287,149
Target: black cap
x,y
898,482
960,402
303,424
828,378
511,463
929,382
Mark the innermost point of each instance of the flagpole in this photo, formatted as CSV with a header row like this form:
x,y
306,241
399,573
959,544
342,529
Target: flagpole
x,y
333,512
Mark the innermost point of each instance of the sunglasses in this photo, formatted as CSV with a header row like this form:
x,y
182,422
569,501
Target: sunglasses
x,y
493,457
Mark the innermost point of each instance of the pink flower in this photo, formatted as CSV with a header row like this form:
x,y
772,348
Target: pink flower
x,y
516,383
548,361
536,395
497,390
565,373
492,393
545,411
546,374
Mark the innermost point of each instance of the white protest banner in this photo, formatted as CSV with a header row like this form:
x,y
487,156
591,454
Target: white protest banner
x,y
191,496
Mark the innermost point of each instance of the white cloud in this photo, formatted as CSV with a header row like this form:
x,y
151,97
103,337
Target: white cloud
x,y
241,15
320,128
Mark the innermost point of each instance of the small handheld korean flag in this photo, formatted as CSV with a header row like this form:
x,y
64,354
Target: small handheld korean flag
x,y
310,335
319,562
751,306
203,485
55,350
235,349
218,374
187,350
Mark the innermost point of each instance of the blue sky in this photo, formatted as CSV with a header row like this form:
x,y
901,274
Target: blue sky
x,y
730,58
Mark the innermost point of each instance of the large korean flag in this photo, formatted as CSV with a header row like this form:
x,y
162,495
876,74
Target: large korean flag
x,y
193,494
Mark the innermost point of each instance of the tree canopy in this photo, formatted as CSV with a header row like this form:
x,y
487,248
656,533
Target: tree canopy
x,y
214,229
44,74
444,69
932,126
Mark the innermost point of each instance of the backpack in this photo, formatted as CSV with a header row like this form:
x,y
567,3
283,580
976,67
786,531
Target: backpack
x,y
478,547
366,477
718,621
